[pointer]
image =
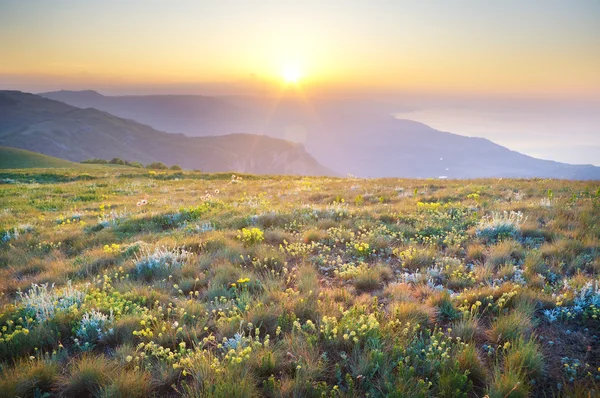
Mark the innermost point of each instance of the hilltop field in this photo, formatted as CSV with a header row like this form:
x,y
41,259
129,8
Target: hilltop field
x,y
123,282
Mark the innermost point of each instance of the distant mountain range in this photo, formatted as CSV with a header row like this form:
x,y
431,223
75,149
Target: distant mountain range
x,y
359,137
50,127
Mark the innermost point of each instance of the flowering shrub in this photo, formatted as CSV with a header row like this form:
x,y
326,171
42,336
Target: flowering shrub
x,y
415,258
349,270
72,219
300,249
353,327
251,236
112,249
459,277
361,249
37,306
436,356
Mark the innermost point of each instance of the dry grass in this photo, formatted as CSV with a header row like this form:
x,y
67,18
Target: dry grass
x,y
332,296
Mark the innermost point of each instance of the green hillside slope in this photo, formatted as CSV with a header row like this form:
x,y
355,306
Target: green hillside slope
x,y
14,158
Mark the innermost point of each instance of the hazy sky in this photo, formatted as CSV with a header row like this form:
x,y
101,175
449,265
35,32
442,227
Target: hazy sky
x,y
525,74
530,48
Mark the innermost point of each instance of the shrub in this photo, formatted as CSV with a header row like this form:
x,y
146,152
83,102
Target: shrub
x,y
454,383
276,237
369,278
504,252
134,384
117,161
469,360
271,219
445,307
233,381
399,292
175,167
123,329
497,226
468,328
224,273
94,161
157,166
86,376
416,258
160,260
314,235
510,327
250,236
412,312
524,357
308,280
476,252
93,327
29,378
508,384
43,302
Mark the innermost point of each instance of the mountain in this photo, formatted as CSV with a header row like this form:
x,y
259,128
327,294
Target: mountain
x,y
31,122
198,115
359,137
13,158
194,115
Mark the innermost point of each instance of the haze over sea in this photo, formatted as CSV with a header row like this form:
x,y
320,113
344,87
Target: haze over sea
x,y
555,130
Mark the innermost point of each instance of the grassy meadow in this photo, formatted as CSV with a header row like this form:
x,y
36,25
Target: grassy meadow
x,y
122,282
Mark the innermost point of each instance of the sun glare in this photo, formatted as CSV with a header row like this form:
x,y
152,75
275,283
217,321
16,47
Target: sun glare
x,y
291,75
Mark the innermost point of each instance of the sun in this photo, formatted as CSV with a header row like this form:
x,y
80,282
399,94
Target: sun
x,y
291,75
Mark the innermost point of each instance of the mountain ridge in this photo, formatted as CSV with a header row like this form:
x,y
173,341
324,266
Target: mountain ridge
x,y
349,136
50,127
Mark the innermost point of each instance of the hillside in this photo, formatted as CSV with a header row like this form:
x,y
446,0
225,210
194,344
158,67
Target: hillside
x,y
13,158
50,127
359,137
139,285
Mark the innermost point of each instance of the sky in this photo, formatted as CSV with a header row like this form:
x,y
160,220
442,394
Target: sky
x,y
549,47
533,50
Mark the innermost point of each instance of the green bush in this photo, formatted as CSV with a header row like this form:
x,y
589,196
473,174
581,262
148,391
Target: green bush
x,y
94,161
117,161
157,166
